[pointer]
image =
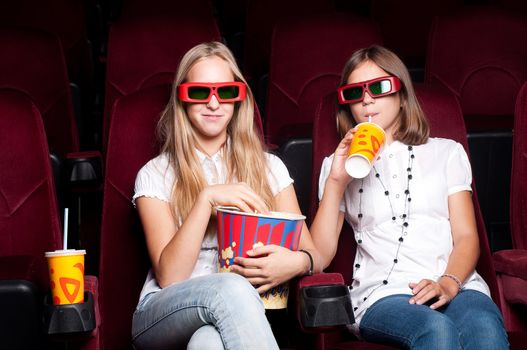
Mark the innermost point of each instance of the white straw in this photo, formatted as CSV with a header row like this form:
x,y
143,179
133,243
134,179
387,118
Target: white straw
x,y
369,119
66,228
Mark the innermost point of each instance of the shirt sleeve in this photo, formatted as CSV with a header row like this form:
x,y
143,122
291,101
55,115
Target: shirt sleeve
x,y
458,170
278,175
324,173
154,180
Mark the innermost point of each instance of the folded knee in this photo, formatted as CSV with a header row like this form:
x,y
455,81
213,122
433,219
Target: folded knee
x,y
439,330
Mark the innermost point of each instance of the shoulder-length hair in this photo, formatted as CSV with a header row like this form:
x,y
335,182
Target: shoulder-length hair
x,y
243,155
412,126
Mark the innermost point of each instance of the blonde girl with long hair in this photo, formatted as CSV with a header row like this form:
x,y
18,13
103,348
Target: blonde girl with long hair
x,y
415,285
211,155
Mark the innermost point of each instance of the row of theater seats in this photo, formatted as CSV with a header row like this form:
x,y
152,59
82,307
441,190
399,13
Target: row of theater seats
x,y
147,38
30,223
305,60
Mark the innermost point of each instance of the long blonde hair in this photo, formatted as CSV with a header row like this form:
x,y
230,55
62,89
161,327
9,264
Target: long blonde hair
x,y
412,126
244,155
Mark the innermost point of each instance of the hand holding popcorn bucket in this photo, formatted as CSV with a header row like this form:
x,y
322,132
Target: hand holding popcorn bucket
x,y
239,232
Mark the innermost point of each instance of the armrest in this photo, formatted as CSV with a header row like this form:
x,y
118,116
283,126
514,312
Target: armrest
x,y
323,303
512,262
25,267
511,267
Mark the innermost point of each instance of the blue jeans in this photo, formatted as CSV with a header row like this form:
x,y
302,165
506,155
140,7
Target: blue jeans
x,y
470,321
218,311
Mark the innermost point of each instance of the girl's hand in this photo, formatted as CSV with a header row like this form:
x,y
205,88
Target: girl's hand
x,y
443,290
239,195
269,266
338,172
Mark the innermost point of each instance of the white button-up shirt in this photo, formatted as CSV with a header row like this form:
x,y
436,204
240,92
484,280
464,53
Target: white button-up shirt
x,y
440,168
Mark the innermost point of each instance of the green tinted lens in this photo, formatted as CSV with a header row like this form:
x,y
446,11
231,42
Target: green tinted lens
x,y
198,92
228,92
380,87
352,93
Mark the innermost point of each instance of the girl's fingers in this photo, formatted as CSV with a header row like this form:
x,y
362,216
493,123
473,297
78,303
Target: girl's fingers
x,y
443,300
264,288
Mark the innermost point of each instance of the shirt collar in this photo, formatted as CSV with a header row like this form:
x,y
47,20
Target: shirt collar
x,y
216,157
394,147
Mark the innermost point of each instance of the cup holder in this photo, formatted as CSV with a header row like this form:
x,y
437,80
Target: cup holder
x,y
325,306
69,318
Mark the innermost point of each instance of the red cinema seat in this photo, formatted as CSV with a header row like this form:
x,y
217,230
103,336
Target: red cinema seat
x,y
44,80
260,20
306,54
405,26
511,264
479,54
29,226
146,52
64,18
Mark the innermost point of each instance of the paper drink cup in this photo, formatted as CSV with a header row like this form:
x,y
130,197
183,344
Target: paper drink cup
x,y
363,149
66,273
239,232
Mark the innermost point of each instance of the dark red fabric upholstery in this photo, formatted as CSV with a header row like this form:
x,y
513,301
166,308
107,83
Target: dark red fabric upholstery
x,y
29,220
446,120
44,80
261,17
519,173
403,31
305,53
512,264
480,56
143,53
66,19
123,256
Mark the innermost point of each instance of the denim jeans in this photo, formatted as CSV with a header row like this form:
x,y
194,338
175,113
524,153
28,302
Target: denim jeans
x,y
217,311
470,321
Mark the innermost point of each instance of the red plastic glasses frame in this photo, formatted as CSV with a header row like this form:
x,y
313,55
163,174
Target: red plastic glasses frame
x,y
395,85
183,91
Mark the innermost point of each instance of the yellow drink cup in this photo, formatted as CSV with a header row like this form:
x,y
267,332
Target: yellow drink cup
x,y
364,147
66,273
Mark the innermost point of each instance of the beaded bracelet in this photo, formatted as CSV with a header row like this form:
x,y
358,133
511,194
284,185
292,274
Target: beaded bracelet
x,y
310,272
454,278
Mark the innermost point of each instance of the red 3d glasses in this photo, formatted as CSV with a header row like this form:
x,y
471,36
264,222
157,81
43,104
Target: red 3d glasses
x,y
202,92
377,87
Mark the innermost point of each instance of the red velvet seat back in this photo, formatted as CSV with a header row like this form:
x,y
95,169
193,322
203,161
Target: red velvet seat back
x,y
123,257
146,52
29,220
446,120
261,18
124,260
403,31
481,56
66,19
33,62
309,53
519,173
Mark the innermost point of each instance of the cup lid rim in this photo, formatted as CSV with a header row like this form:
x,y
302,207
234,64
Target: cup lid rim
x,y
67,252
273,214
